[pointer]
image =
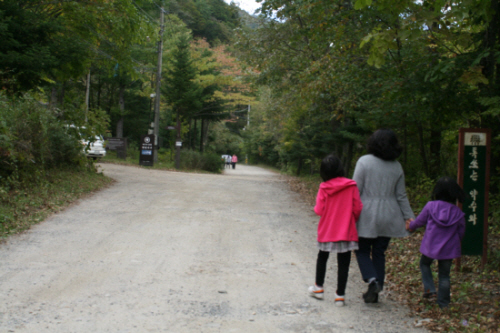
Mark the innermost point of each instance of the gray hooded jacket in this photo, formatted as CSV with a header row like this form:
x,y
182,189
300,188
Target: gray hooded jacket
x,y
381,185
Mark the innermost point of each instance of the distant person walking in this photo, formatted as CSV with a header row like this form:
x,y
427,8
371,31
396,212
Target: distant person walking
x,y
228,161
234,160
338,204
445,228
381,184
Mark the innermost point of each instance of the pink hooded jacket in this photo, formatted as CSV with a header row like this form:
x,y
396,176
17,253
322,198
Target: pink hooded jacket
x,y
338,204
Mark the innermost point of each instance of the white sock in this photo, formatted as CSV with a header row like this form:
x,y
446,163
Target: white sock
x,y
372,279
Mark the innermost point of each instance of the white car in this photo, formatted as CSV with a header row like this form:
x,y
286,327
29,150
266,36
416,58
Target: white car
x,y
94,148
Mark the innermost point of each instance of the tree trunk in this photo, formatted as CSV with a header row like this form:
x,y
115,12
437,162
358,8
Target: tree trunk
x,y
190,135
206,125
347,155
423,155
201,135
204,134
435,153
53,98
405,145
60,96
87,95
121,103
99,87
490,41
195,132
178,138
119,128
56,97
299,166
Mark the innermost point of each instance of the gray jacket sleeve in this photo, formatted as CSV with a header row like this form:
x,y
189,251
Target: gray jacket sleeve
x,y
403,202
359,176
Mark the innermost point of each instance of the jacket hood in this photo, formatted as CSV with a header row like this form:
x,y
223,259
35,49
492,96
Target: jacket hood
x,y
446,214
336,185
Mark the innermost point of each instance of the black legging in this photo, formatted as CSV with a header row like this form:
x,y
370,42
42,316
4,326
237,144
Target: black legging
x,y
343,261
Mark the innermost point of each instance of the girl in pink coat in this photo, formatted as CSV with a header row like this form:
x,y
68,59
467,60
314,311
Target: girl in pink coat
x,y
234,160
338,204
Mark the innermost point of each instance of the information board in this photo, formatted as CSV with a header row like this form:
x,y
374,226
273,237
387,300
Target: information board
x,y
146,150
473,176
119,145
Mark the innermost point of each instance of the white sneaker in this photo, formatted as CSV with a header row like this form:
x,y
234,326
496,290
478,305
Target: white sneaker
x,y
339,300
316,292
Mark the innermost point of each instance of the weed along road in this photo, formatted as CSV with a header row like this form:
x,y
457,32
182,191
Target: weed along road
x,y
181,252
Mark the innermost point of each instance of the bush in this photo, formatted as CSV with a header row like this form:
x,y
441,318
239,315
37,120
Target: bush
x,y
32,140
419,193
64,149
194,160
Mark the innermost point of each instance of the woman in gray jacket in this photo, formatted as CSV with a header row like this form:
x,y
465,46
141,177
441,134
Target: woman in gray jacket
x,y
381,184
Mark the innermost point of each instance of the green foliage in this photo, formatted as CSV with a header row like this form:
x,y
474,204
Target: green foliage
x,y
53,46
494,219
261,148
336,73
419,193
42,42
34,140
64,150
210,19
223,141
33,46
190,160
182,93
194,160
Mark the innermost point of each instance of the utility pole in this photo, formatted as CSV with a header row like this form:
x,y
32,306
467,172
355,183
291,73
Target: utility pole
x,y
156,128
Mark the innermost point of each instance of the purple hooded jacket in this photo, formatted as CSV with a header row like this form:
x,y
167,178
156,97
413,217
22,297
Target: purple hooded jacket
x,y
445,229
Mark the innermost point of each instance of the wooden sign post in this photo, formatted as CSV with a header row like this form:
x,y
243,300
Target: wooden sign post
x,y
474,178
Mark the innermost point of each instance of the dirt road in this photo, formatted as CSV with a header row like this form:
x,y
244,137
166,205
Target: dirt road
x,y
177,252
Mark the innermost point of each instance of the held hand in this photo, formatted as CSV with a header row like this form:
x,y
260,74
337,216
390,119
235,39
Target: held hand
x,y
408,224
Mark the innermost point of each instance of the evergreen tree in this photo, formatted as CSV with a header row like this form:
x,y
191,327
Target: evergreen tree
x,y
180,89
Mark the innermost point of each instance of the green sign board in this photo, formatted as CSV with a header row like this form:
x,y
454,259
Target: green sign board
x,y
474,177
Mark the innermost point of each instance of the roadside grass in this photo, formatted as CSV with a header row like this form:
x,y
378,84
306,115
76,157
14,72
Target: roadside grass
x,y
475,299
166,161
266,167
27,204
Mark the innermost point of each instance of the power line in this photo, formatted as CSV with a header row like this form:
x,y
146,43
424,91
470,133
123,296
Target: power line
x,y
151,19
219,114
160,7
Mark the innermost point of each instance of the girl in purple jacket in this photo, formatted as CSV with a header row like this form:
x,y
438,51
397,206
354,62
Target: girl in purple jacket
x,y
445,228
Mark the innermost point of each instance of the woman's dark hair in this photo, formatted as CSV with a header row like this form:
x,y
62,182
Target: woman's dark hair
x,y
331,167
384,144
448,190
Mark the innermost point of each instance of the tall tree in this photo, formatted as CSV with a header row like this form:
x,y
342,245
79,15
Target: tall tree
x,y
363,65
44,41
180,89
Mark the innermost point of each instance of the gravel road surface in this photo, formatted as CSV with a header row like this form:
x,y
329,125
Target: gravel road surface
x,y
181,252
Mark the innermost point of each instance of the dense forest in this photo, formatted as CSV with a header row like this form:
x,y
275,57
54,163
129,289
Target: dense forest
x,y
93,65
285,87
331,72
